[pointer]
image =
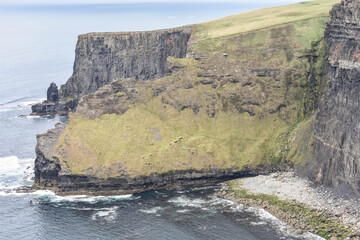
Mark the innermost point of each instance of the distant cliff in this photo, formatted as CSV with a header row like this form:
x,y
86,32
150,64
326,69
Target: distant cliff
x,y
102,57
337,125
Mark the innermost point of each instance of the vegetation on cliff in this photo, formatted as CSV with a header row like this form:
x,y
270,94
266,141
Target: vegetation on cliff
x,y
248,82
296,214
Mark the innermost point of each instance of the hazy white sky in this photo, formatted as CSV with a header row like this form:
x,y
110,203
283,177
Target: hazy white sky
x,y
65,2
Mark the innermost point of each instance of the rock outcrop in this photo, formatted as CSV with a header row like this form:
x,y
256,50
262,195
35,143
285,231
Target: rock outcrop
x,y
101,58
53,93
47,168
52,105
114,98
61,107
337,127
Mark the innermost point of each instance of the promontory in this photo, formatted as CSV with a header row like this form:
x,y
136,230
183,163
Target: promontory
x,y
249,94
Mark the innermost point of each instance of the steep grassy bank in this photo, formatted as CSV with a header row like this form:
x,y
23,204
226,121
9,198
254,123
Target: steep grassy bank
x,y
249,80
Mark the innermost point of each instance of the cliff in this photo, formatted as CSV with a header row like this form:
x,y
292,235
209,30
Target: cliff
x,y
337,125
102,57
224,111
52,173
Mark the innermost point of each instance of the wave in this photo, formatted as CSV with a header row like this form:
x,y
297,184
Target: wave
x,y
182,211
28,116
19,104
151,210
9,164
19,172
16,172
279,225
13,101
108,214
51,197
184,201
216,203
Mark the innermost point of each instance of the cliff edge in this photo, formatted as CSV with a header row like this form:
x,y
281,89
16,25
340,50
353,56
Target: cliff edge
x,y
101,58
337,124
220,102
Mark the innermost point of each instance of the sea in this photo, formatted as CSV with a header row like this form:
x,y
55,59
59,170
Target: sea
x,y
37,44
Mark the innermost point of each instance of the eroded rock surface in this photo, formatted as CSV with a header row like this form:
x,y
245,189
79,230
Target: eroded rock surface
x,y
102,57
53,93
337,126
225,111
51,173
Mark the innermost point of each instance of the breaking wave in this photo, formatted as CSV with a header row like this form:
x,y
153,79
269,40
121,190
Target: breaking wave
x,y
51,197
15,172
19,104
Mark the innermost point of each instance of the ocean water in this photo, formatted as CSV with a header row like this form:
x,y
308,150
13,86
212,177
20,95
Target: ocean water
x,y
36,48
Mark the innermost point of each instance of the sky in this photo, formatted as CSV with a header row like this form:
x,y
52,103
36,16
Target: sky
x,y
70,2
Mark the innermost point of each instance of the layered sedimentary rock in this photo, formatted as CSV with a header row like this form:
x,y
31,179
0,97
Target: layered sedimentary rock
x,y
337,127
102,57
51,173
225,111
52,104
53,93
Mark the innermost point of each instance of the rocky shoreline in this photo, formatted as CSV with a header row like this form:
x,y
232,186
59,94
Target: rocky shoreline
x,y
299,203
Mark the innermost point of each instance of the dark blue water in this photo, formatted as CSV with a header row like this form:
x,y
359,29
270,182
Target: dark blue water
x,y
36,48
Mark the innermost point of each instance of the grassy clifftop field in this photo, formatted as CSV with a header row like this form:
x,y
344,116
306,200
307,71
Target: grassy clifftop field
x,y
249,80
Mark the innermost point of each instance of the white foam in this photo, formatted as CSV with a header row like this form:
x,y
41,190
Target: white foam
x,y
264,215
28,117
13,192
286,229
81,208
182,210
49,196
29,103
15,105
257,223
15,172
108,214
9,164
215,201
5,109
187,202
151,210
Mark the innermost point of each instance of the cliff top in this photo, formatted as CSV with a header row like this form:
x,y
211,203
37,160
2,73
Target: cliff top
x,y
265,18
108,34
245,22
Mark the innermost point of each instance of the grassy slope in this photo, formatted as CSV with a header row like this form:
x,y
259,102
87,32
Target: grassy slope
x,y
155,136
264,18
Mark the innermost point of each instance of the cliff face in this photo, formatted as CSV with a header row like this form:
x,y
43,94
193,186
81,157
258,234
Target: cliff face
x,y
225,111
47,168
51,173
102,57
337,125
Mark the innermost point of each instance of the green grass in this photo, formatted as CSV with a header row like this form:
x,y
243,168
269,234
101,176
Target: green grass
x,y
146,138
264,18
229,140
319,222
